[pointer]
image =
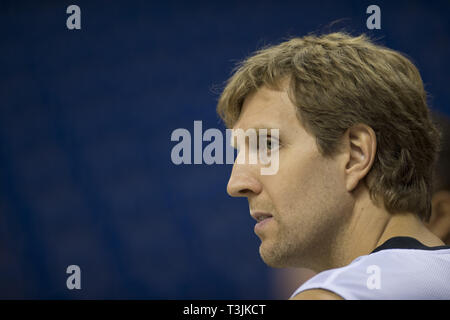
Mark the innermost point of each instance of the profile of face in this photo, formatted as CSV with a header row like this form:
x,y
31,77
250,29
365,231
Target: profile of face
x,y
304,206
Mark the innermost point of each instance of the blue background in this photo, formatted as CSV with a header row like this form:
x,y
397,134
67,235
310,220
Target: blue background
x,y
85,122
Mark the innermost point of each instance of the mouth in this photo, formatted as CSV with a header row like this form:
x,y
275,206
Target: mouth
x,y
262,219
260,216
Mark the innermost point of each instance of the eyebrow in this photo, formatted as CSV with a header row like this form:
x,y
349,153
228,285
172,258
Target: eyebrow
x,y
257,129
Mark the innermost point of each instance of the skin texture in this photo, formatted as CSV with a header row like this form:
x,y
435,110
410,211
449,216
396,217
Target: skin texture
x,y
439,222
323,216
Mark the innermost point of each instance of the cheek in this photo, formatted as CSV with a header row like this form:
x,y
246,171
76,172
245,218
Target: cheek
x,y
301,175
304,186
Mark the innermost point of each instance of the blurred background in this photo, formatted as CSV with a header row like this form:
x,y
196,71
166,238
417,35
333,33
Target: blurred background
x,y
86,116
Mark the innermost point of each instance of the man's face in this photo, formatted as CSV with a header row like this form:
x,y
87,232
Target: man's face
x,y
305,202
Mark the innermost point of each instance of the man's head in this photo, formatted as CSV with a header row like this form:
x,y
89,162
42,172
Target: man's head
x,y
353,121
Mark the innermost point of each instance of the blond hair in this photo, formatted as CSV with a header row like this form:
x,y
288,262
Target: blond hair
x,y
336,81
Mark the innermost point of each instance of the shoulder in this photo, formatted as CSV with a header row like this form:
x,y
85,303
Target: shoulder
x,y
316,294
387,274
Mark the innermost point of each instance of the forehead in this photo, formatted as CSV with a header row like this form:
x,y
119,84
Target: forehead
x,y
267,108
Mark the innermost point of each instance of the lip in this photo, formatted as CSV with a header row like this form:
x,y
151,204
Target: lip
x,y
266,218
262,224
257,215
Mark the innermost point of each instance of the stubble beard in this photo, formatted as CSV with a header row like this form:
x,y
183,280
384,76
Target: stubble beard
x,y
299,246
283,249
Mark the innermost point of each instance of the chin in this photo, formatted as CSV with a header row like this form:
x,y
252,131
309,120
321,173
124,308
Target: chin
x,y
272,257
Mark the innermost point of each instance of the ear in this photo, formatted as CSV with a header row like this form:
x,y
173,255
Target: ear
x,y
439,222
360,145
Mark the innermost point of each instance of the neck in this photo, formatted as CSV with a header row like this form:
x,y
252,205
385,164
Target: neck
x,y
370,226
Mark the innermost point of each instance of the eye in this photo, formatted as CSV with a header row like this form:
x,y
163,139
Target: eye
x,y
270,143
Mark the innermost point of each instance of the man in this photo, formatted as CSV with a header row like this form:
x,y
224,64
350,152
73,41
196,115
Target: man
x,y
356,150
288,279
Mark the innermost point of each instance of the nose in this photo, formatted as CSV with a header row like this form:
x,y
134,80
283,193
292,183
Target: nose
x,y
243,181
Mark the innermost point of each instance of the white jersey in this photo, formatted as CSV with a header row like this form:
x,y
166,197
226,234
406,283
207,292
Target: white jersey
x,y
400,269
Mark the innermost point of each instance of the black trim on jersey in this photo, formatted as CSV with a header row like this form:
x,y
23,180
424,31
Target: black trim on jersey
x,y
406,243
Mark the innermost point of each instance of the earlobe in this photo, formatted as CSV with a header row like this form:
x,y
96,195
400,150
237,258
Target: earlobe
x,y
361,141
